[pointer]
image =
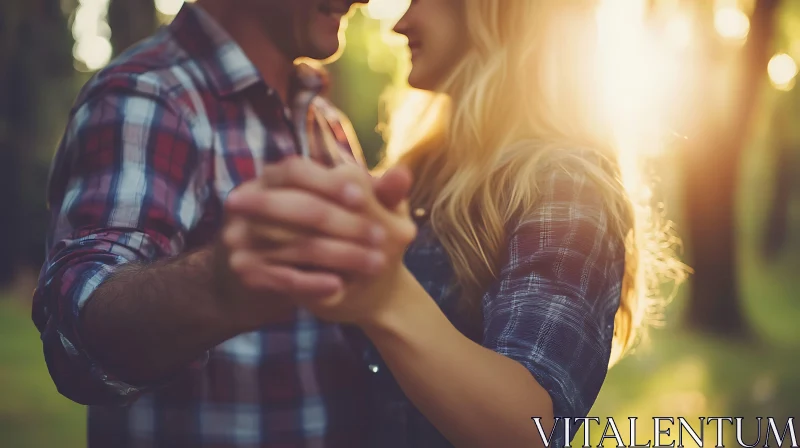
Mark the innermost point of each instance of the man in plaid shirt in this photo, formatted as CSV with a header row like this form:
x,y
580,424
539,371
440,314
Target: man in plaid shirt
x,y
132,299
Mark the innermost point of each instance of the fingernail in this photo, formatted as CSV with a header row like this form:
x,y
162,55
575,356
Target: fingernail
x,y
377,235
331,284
375,262
353,195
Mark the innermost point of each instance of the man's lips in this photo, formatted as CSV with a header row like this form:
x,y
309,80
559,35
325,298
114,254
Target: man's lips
x,y
334,10
332,16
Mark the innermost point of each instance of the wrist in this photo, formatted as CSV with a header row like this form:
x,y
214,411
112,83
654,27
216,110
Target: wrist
x,y
407,302
224,302
242,310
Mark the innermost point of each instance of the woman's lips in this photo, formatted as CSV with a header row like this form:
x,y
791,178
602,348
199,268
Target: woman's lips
x,y
415,48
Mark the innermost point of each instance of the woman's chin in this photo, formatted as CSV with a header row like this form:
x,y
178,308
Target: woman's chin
x,y
420,82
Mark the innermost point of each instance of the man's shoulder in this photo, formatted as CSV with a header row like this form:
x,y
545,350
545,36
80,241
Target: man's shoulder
x,y
156,67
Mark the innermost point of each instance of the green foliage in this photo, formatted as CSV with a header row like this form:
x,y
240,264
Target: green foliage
x,y
357,86
789,24
32,413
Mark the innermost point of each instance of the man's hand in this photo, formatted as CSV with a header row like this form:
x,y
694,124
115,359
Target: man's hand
x,y
298,233
366,297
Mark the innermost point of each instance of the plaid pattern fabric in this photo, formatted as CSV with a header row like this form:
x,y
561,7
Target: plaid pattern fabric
x,y
551,309
155,143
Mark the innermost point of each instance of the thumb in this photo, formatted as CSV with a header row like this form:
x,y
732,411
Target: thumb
x,y
393,187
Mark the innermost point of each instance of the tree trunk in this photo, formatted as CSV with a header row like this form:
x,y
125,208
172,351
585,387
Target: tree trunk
x,y
36,49
777,226
130,22
776,230
711,166
8,197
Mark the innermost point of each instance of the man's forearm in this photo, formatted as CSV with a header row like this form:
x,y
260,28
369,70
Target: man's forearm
x,y
148,321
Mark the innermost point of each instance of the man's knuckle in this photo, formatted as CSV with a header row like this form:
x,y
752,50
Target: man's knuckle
x,y
270,202
288,281
237,264
268,280
294,169
234,234
309,249
249,281
321,214
367,228
320,249
349,171
228,237
268,237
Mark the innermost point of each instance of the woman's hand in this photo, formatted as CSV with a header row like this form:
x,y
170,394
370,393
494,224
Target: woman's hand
x,y
366,297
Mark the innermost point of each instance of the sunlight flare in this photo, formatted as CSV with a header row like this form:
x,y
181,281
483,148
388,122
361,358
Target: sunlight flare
x,y
92,35
731,23
169,7
390,10
782,71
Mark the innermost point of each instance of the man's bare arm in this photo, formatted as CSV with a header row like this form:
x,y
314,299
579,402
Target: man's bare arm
x,y
149,320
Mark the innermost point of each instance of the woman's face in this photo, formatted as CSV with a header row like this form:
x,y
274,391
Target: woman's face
x,y
436,37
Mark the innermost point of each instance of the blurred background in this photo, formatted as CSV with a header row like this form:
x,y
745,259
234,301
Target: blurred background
x,y
703,91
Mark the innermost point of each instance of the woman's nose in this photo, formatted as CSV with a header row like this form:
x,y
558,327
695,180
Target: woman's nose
x,y
402,26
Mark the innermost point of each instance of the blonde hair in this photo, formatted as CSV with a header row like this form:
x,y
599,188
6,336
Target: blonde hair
x,y
525,91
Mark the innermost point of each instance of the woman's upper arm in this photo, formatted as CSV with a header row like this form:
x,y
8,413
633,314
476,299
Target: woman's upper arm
x,y
552,308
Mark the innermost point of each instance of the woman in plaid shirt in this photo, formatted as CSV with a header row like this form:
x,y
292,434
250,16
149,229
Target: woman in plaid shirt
x,y
527,278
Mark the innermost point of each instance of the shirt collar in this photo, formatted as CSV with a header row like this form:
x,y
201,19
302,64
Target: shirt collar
x,y
224,62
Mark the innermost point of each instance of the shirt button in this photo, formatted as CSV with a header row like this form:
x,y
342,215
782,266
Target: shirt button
x,y
374,368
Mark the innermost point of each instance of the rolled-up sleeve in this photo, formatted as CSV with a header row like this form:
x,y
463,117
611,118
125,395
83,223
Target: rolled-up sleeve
x,y
552,308
126,185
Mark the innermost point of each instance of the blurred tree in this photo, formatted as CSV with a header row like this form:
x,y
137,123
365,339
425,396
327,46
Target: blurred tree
x,y
786,141
711,167
37,85
130,22
776,228
357,85
35,53
9,156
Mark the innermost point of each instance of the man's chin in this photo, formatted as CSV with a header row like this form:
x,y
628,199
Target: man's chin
x,y
327,53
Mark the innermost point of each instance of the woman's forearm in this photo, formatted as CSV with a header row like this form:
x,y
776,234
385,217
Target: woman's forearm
x,y
474,396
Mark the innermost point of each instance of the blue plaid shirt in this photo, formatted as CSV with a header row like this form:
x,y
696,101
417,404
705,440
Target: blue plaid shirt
x,y
155,143
551,309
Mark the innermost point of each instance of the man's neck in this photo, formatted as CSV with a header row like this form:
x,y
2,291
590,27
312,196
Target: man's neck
x,y
275,67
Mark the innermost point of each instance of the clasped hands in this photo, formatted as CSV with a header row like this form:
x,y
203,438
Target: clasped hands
x,y
330,240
